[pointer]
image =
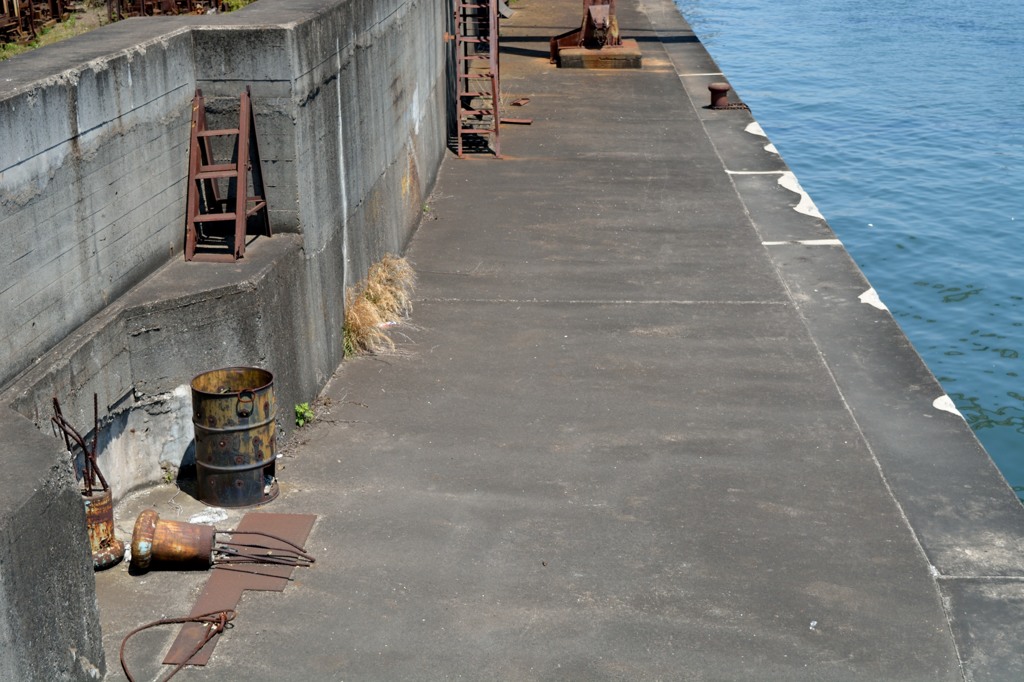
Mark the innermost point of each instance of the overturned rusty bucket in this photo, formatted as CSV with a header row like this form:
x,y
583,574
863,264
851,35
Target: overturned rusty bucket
x,y
107,550
173,544
233,414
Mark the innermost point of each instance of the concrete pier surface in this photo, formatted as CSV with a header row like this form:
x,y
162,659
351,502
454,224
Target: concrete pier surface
x,y
650,423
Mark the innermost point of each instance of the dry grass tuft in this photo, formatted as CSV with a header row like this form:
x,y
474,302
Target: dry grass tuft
x,y
383,299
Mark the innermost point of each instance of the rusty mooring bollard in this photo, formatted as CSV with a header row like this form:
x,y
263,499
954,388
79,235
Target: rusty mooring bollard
x,y
719,95
171,542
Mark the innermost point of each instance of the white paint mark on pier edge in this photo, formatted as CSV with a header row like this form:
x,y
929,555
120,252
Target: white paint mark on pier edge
x,y
945,403
714,73
788,180
755,129
871,298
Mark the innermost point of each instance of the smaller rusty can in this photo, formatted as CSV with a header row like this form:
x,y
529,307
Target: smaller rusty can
x,y
173,543
107,550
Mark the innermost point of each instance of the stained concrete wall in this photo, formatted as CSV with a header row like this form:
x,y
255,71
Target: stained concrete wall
x,y
94,296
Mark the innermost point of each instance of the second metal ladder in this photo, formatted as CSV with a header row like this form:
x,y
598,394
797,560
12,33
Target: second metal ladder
x,y
478,91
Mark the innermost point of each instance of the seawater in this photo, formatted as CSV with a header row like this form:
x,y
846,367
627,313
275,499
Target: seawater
x,y
904,121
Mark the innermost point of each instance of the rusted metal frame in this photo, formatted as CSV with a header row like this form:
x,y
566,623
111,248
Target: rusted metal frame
x,y
259,197
205,204
194,161
241,179
495,54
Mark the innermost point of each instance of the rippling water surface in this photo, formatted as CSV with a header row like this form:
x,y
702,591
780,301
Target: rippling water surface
x,y
904,121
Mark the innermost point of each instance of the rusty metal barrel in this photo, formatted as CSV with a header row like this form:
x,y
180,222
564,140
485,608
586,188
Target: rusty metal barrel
x,y
233,412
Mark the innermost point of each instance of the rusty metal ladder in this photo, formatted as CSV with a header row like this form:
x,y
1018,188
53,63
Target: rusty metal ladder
x,y
216,225
478,93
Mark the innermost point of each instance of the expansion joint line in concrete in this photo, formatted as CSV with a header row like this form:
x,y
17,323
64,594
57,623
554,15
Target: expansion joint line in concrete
x,y
805,242
617,301
980,578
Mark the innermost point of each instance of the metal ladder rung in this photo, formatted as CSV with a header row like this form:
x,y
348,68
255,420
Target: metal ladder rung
x,y
213,217
217,133
217,173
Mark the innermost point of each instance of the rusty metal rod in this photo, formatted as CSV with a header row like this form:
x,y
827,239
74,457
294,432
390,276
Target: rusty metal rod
x,y
301,551
70,432
230,555
216,622
90,469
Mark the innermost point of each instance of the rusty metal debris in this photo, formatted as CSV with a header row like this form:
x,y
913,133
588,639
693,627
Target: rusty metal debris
x,y
22,20
121,9
234,413
107,550
159,543
90,468
172,543
720,97
599,29
280,532
213,624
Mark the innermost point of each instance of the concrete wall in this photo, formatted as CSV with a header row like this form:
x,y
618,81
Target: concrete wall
x,y
92,164
349,98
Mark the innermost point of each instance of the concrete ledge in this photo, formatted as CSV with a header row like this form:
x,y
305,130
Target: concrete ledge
x,y
626,56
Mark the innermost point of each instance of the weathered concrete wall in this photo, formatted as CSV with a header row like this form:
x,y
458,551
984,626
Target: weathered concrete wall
x,y
49,626
94,297
92,164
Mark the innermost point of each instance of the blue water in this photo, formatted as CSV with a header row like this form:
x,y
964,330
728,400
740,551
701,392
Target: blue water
x,y
904,121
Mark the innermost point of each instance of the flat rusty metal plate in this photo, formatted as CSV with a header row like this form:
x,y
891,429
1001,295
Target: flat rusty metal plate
x,y
224,588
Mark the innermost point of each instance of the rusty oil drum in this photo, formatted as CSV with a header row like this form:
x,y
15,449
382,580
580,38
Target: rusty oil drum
x,y
233,412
